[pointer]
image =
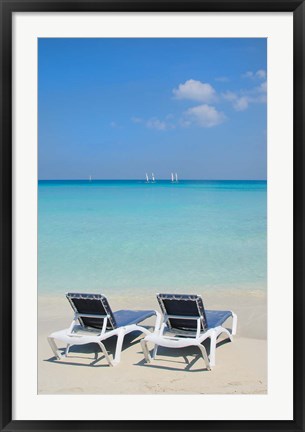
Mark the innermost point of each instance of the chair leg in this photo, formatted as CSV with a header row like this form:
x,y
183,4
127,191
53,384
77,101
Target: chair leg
x,y
145,351
102,346
213,343
234,323
205,356
54,348
213,349
227,332
67,350
155,351
118,349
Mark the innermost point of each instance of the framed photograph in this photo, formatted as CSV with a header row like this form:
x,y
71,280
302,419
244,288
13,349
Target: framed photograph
x,y
152,215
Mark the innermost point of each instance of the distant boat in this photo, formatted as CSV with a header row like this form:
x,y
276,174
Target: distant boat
x,y
147,179
176,178
153,178
90,178
172,177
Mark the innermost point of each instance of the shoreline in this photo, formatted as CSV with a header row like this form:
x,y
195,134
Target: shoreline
x,y
250,307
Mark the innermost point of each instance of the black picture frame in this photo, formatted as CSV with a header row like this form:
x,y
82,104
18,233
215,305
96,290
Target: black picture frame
x,y
7,9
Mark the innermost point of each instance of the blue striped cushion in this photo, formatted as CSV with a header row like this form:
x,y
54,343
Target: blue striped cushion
x,y
216,318
127,317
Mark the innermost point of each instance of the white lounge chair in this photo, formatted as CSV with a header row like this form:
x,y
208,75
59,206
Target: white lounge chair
x,y
188,324
94,322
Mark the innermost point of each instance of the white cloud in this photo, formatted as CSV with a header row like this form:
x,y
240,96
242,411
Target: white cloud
x,y
248,74
157,124
243,99
195,90
204,116
241,104
230,96
263,87
136,120
260,74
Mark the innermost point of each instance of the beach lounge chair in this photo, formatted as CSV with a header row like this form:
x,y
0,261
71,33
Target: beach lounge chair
x,y
94,322
185,322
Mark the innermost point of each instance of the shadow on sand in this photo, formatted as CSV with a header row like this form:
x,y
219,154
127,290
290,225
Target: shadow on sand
x,y
83,352
167,355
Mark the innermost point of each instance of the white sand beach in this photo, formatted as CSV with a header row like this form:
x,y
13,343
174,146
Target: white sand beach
x,y
241,366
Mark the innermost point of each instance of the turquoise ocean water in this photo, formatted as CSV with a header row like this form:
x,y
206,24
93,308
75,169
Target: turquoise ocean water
x,y
126,237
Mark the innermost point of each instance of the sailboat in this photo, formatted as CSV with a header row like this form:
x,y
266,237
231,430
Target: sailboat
x,y
176,178
90,178
147,179
153,178
172,175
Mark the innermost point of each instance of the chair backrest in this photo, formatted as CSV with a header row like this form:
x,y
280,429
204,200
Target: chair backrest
x,y
92,304
180,305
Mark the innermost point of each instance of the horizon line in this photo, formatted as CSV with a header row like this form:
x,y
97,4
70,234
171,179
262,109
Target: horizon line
x,y
141,179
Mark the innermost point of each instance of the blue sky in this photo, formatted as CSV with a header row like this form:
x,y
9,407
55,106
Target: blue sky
x,y
118,108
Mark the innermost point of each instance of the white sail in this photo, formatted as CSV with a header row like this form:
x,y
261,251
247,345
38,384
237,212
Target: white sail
x,y
153,177
90,178
147,179
176,177
172,177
